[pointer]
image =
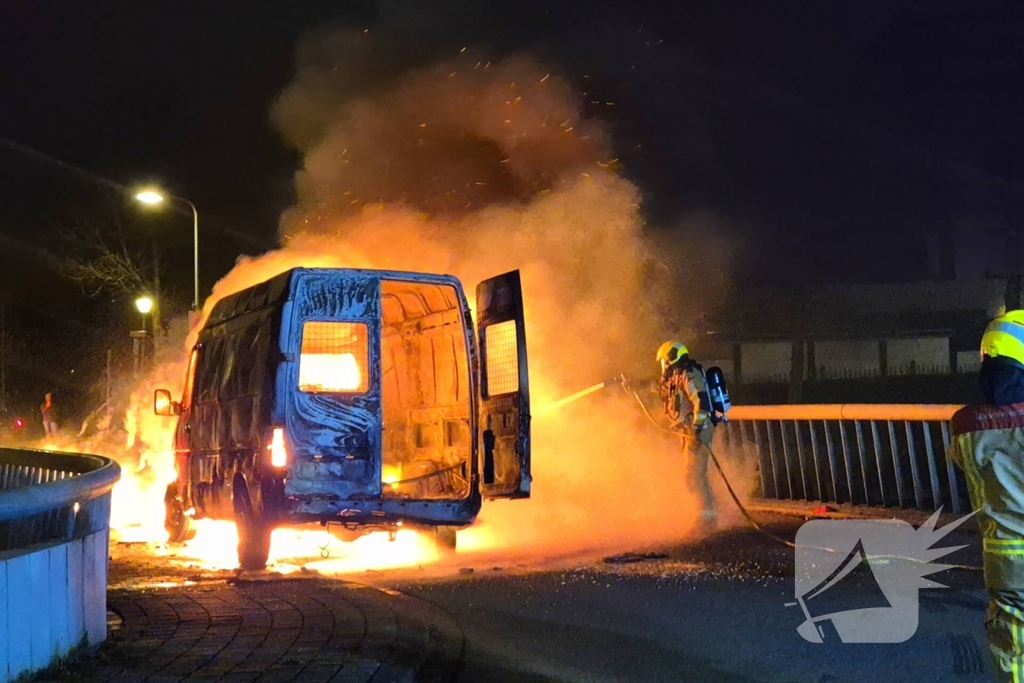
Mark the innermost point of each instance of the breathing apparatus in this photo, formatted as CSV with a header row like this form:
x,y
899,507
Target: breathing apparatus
x,y
718,393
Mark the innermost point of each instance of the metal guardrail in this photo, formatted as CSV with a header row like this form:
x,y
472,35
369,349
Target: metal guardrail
x,y
879,455
46,497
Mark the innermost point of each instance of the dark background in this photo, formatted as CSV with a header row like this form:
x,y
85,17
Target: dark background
x,y
832,137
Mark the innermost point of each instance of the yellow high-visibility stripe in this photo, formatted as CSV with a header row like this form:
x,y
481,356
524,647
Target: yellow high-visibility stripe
x,y
1005,553
1003,541
1016,639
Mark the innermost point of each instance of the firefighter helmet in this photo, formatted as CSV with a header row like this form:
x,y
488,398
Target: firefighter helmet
x,y
670,352
1004,337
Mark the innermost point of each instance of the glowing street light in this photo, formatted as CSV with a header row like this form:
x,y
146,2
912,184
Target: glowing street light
x,y
144,304
153,197
149,197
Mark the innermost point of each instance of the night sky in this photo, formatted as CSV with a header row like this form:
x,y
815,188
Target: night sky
x,y
832,137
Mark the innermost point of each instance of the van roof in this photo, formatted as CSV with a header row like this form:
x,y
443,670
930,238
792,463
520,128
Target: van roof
x,y
278,289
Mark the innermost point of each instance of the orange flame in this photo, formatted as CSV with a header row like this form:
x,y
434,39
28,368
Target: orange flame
x,y
570,225
329,372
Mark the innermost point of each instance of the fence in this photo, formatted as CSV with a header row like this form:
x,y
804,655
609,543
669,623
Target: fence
x,y
54,530
887,455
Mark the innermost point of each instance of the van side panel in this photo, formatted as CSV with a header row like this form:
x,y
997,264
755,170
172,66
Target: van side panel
x,y
231,405
334,440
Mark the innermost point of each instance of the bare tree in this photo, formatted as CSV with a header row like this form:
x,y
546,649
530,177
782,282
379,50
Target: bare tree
x,y
99,264
101,257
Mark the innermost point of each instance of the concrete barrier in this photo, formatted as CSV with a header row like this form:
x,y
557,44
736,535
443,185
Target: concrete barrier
x,y
54,532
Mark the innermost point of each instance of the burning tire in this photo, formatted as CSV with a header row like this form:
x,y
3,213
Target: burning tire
x,y
253,532
178,524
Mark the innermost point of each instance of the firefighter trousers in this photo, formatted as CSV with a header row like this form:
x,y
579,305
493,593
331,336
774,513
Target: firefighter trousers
x,y
1004,626
696,451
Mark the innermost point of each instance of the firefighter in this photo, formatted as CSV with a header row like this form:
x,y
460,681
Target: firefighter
x,y
684,394
988,445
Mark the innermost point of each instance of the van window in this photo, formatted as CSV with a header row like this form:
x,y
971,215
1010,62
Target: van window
x,y
501,355
334,357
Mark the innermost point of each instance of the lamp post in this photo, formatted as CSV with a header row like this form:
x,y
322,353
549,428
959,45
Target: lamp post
x,y
144,305
153,197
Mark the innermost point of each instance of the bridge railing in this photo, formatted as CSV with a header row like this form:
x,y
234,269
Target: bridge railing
x,y
54,531
878,455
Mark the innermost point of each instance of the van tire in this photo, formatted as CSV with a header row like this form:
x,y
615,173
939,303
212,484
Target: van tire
x,y
445,539
178,525
253,532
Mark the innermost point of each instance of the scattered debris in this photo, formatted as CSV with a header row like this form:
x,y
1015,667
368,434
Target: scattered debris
x,y
465,570
628,558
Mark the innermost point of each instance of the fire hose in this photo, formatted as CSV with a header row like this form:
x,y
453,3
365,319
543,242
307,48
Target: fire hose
x,y
746,513
728,486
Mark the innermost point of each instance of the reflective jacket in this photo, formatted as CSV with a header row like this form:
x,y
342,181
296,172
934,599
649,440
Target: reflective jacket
x,y
988,445
685,395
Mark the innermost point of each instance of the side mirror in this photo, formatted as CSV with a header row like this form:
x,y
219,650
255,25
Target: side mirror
x,y
163,405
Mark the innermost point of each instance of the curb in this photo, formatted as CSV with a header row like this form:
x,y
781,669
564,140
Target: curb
x,y
807,510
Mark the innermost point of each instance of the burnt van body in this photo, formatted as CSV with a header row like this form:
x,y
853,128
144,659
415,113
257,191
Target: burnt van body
x,y
356,399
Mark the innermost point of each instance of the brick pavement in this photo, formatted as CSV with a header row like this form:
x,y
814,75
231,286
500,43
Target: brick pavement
x,y
307,630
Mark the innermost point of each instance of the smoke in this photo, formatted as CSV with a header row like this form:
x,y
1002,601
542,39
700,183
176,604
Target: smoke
x,y
475,167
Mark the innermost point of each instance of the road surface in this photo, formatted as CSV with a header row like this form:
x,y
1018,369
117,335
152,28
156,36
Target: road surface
x,y
711,611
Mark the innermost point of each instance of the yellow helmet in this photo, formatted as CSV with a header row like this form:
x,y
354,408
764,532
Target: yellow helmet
x,y
1004,337
670,352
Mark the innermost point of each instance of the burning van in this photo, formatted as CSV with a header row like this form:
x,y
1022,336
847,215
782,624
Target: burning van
x,y
361,400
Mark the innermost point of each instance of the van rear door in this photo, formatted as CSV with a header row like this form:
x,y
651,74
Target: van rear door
x,y
332,385
504,383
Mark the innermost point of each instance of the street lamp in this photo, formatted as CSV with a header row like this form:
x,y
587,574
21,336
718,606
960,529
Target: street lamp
x,y
144,304
153,197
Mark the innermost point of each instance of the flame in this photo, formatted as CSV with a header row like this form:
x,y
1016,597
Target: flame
x,y
329,372
389,474
572,227
214,549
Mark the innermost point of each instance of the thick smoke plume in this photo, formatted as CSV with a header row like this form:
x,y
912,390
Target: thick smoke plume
x,y
477,167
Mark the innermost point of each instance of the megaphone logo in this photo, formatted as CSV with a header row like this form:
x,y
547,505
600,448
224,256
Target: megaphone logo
x,y
880,566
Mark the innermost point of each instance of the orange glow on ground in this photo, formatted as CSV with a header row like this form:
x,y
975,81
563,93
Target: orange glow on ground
x,y
214,546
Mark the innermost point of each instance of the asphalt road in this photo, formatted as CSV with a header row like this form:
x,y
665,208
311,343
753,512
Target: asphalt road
x,y
711,611
714,611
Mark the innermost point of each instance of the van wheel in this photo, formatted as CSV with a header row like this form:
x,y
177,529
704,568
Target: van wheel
x,y
253,533
444,539
179,525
